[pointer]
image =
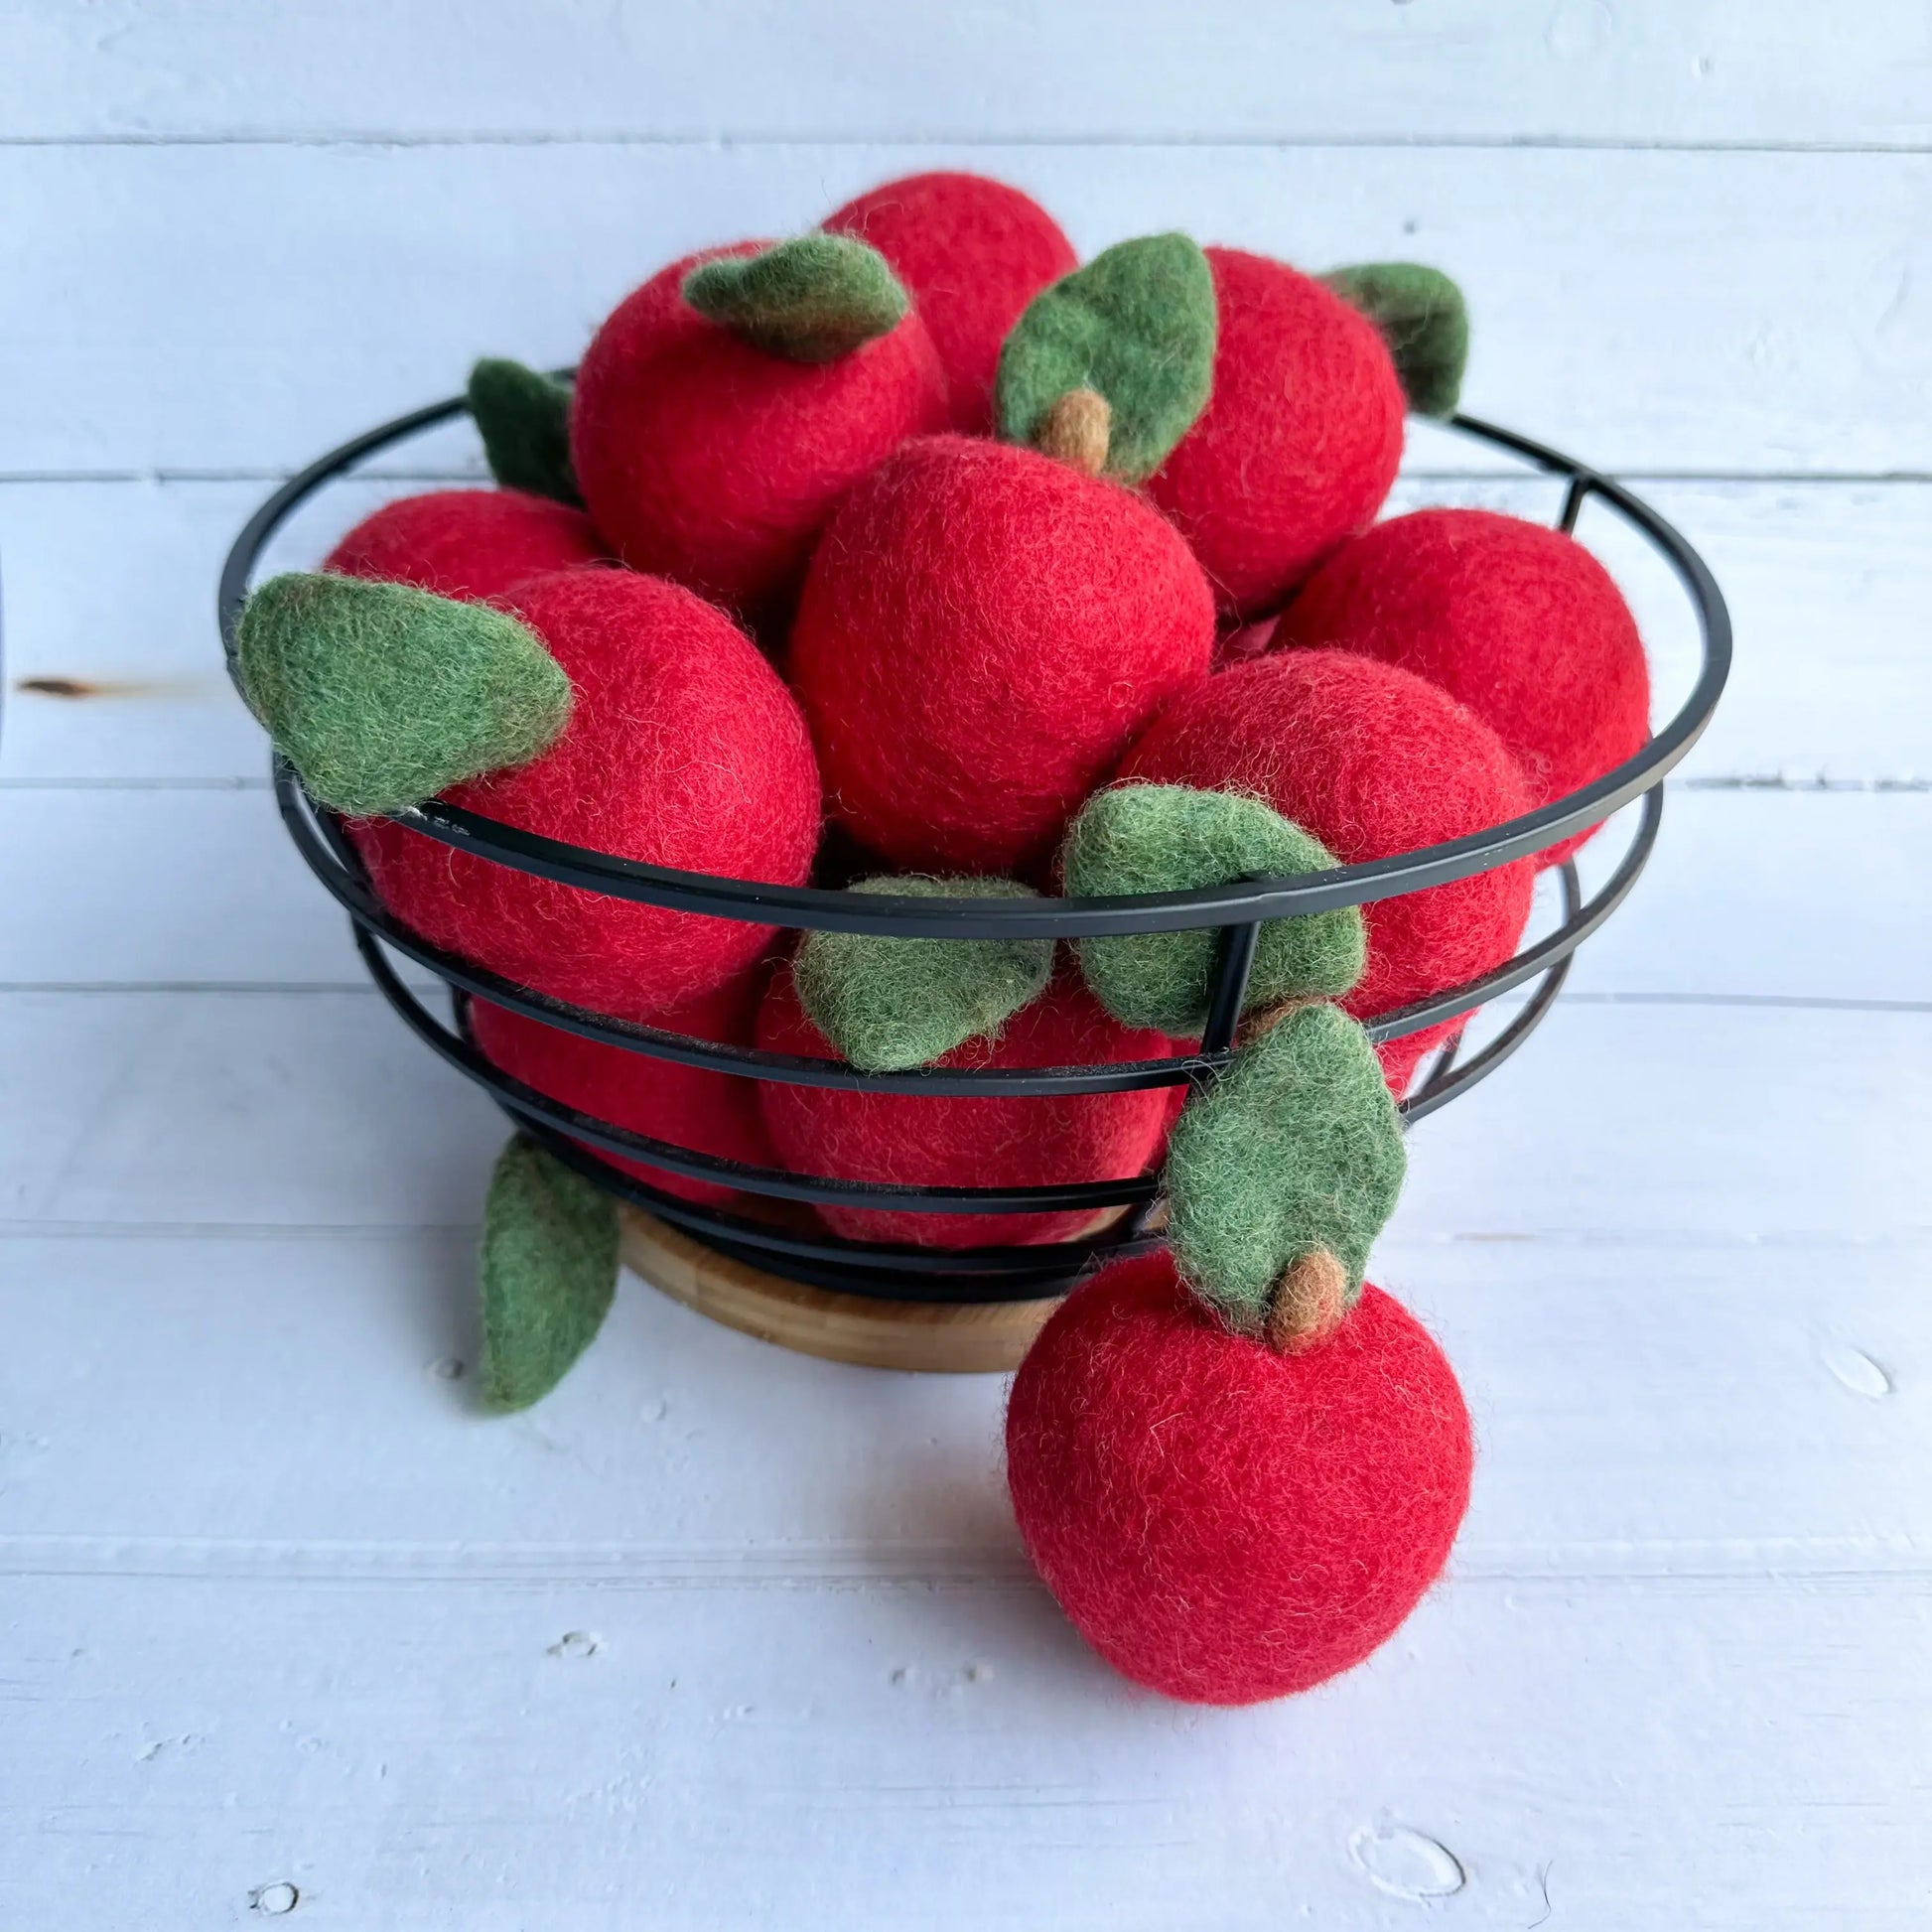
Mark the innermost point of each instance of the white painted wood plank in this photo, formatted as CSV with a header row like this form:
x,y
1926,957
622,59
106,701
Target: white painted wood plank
x,y
112,584
1626,1759
221,308
115,887
1510,70
1699,1523
272,1110
1711,1125
1790,895
1708,1125
1644,1408
1805,896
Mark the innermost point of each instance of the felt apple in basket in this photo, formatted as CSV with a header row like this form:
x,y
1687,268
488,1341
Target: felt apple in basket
x,y
973,253
985,625
611,710
1519,622
471,544
1373,761
887,1005
723,408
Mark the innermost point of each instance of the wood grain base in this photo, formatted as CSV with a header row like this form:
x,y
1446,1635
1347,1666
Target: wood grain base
x,y
980,1339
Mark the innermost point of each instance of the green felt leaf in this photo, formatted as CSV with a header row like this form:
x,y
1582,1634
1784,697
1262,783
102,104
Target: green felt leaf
x,y
1136,325
812,299
1137,839
1293,1150
549,1273
890,1003
523,418
1425,321
381,695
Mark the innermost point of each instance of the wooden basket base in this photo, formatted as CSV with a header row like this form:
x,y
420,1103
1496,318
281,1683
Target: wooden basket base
x,y
987,1338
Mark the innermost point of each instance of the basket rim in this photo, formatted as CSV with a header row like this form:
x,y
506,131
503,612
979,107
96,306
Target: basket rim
x,y
321,845
826,909
895,1271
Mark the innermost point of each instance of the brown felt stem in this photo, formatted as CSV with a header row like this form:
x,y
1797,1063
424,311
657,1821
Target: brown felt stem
x,y
1262,1021
1076,430
1309,1302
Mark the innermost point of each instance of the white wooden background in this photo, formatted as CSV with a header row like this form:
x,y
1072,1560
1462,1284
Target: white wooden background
x,y
719,1637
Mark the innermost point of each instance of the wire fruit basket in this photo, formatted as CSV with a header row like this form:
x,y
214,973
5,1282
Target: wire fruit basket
x,y
769,1236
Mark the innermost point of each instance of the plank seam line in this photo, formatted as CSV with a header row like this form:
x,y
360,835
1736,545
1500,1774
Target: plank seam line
x,y
1783,781
925,140
133,784
1624,1239
477,473
1693,1561
230,1230
1778,782
275,988
1780,1002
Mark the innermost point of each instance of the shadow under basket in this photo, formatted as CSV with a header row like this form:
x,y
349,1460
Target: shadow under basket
x,y
766,1266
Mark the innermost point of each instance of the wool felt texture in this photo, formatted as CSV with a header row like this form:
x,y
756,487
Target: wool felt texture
x,y
973,252
1294,1150
1222,1523
1520,622
811,299
1372,761
1132,840
523,418
1300,440
472,544
981,633
549,1273
381,696
705,460
684,748
1136,325
689,1106
968,1141
1423,319
889,1004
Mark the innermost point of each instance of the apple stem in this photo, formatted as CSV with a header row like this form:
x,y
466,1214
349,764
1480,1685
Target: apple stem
x,y
1309,1302
1259,1021
1075,431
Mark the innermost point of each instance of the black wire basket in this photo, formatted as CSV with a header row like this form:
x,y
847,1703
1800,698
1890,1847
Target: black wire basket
x,y
899,1271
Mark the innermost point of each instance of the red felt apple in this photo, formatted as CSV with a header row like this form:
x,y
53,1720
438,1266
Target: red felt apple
x,y
1520,622
1372,761
689,1106
723,407
982,630
999,1141
1223,1523
683,749
473,545
973,252
1300,440
985,625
